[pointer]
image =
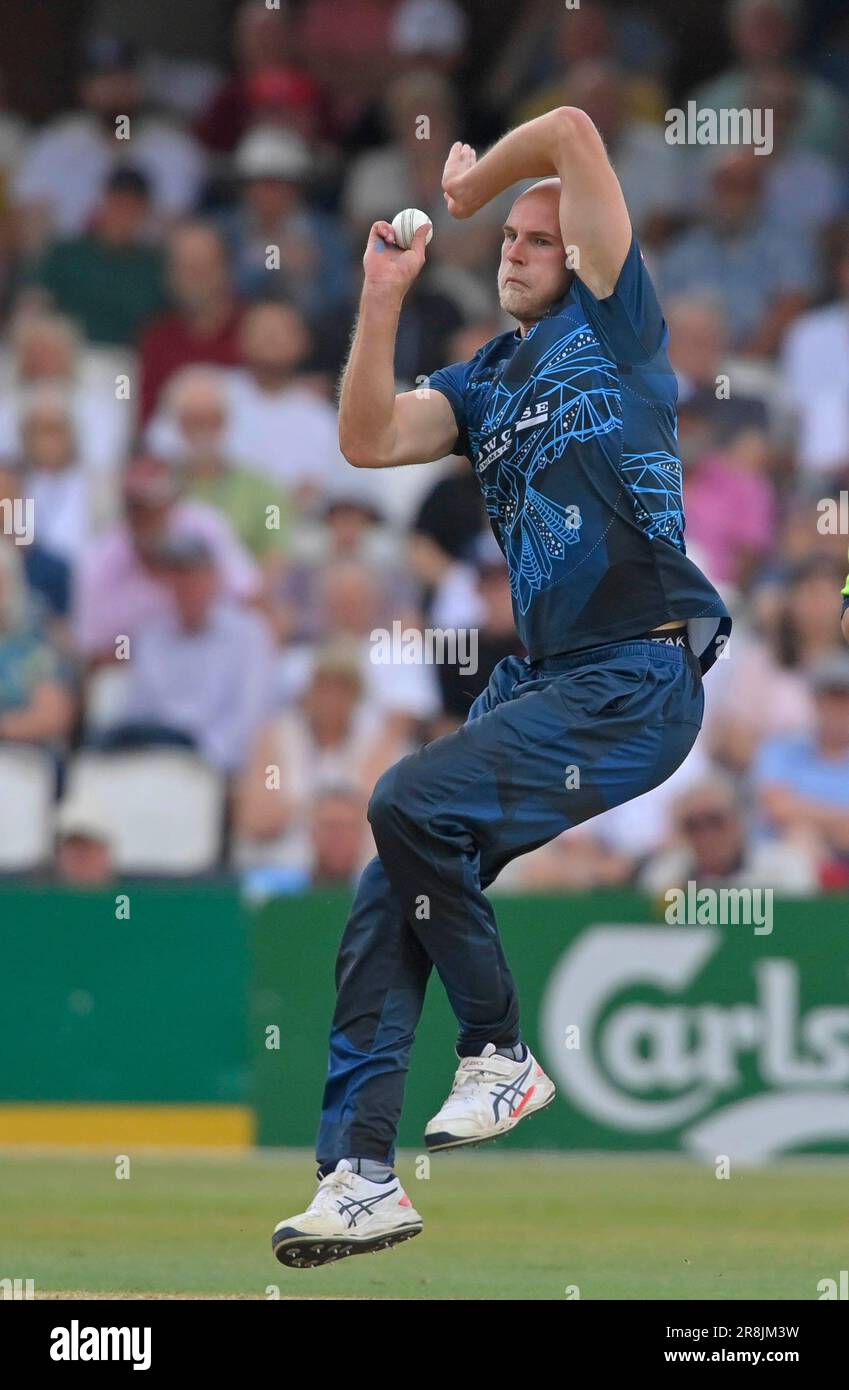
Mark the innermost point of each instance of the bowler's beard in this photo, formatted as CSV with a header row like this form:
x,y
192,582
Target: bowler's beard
x,y
525,306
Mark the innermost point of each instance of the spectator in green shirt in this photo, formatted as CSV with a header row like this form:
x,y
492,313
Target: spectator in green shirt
x,y
193,430
110,279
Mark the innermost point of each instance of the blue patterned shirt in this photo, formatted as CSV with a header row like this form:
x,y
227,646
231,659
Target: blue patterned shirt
x,y
572,433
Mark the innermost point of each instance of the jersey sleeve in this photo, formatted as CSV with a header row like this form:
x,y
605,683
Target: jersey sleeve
x,y
629,321
451,381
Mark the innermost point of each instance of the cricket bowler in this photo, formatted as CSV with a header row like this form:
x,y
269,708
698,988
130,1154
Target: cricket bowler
x,y
569,422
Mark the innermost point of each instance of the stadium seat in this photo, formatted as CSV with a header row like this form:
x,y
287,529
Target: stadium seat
x,y
165,806
27,790
106,696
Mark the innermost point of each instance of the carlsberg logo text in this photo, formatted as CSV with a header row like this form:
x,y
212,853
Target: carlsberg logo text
x,y
751,1078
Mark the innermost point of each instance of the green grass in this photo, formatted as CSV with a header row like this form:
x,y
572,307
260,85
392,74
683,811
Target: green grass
x,y
497,1225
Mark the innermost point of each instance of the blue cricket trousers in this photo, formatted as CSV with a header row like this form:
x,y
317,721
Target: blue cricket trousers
x,y
544,747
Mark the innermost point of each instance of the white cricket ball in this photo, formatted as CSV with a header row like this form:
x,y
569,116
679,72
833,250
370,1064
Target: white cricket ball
x,y
405,225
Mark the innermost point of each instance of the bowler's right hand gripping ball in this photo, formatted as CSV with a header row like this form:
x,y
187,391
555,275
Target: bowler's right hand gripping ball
x,y
405,225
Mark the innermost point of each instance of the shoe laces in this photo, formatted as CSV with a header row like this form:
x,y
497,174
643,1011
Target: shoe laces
x,y
466,1077
466,1074
330,1188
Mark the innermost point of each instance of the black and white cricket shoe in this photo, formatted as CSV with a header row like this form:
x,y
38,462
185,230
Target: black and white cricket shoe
x,y
349,1215
489,1097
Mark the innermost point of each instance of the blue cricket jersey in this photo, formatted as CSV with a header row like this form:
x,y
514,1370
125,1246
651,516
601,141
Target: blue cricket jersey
x,y
572,433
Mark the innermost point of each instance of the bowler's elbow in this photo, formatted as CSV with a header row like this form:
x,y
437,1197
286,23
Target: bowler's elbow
x,y
375,453
575,128
357,457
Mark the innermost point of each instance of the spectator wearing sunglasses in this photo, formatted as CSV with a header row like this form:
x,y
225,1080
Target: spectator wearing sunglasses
x,y
712,846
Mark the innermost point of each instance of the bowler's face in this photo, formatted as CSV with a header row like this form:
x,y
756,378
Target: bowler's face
x,y
532,274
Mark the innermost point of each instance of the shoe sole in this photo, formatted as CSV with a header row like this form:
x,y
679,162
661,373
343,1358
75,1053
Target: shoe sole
x,y
435,1143
299,1251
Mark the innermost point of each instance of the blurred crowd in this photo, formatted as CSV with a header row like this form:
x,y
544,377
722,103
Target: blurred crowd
x,y
180,265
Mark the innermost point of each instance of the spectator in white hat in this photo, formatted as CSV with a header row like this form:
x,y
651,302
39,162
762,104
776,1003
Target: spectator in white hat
x,y
84,843
280,245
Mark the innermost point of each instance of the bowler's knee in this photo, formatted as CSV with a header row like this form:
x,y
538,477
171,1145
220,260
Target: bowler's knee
x,y
386,807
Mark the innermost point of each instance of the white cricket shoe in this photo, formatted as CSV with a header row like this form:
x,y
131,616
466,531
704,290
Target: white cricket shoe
x,y
490,1095
349,1215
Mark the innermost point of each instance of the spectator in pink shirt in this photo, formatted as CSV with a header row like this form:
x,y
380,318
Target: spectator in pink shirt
x,y
120,587
731,508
